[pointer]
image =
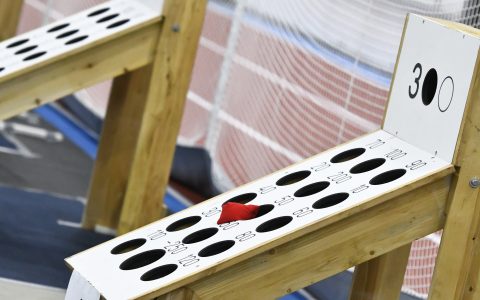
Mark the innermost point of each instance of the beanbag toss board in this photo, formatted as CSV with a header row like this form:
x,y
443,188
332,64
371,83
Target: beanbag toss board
x,y
135,43
350,205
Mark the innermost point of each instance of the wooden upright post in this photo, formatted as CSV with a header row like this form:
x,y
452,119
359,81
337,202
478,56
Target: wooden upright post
x,y
9,16
457,267
133,166
382,277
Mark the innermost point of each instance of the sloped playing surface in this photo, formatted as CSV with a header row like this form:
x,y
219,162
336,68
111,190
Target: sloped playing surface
x,y
316,189
71,33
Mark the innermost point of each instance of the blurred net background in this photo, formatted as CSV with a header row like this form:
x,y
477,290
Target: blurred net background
x,y
278,81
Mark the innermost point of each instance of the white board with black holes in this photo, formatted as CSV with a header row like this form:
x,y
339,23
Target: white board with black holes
x,y
431,85
71,33
190,241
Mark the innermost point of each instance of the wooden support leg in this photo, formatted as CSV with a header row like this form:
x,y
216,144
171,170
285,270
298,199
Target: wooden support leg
x,y
381,277
9,15
168,87
142,124
459,239
117,145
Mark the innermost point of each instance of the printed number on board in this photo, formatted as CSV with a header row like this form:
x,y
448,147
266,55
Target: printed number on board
x,y
175,248
284,200
245,236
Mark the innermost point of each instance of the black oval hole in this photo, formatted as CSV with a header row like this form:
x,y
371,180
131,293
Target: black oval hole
x,y
142,259
98,12
68,33
429,86
119,23
183,223
388,176
200,235
216,248
107,18
24,50
17,43
330,200
242,199
76,40
347,155
367,165
264,209
58,27
274,224
128,246
33,56
311,189
293,178
159,272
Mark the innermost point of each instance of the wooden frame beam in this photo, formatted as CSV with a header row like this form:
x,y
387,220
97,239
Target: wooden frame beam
x,y
52,80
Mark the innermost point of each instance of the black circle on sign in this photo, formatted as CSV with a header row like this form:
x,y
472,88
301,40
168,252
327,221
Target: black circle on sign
x,y
25,50
159,272
274,224
200,235
36,55
242,199
119,23
76,40
451,97
387,176
347,155
58,27
367,165
216,248
429,86
142,259
17,43
330,200
68,33
183,223
264,209
293,178
98,12
311,189
128,246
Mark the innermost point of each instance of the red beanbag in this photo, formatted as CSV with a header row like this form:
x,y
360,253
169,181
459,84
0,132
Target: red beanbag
x,y
232,211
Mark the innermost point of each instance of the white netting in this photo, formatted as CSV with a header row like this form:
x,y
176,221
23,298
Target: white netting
x,y
278,81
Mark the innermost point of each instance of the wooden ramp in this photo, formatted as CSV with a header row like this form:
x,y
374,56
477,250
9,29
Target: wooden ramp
x,y
359,204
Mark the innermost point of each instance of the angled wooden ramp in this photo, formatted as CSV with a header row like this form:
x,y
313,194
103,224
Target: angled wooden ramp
x,y
361,203
138,46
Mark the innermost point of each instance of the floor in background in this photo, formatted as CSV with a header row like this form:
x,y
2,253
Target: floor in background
x,y
56,167
37,231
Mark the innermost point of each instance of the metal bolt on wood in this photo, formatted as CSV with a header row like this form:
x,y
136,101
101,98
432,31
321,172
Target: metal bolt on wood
x,y
474,182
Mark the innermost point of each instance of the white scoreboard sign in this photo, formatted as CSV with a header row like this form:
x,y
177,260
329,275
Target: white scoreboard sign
x,y
431,84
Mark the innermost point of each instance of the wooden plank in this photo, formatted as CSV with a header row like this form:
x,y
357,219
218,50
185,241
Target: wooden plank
x,y
381,277
328,250
168,86
72,73
9,16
